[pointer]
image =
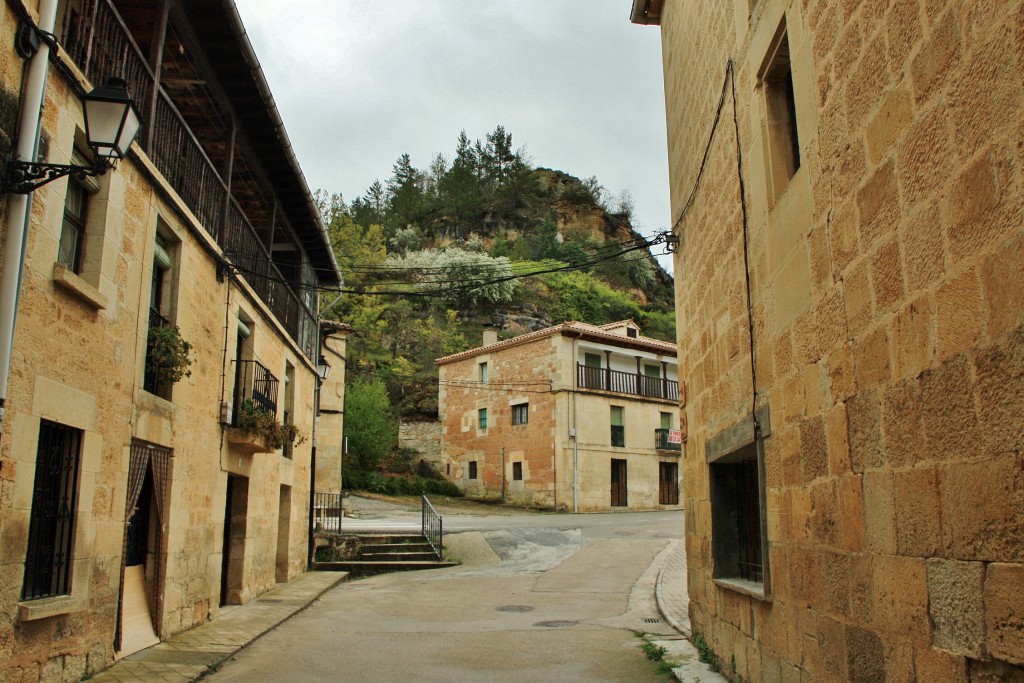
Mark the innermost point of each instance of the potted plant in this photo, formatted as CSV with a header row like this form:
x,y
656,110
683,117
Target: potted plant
x,y
167,354
257,421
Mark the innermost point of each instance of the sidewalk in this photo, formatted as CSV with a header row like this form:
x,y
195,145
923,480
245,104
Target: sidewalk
x,y
190,655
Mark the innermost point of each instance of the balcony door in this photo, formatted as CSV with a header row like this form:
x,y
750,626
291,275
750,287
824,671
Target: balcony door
x,y
668,483
619,498
592,374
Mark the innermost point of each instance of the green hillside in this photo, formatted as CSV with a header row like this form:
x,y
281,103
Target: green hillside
x,y
481,238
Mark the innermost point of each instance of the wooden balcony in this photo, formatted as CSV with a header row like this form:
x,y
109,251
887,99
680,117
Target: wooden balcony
x,y
237,183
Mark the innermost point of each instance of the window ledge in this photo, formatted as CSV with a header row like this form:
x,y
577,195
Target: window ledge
x,y
752,588
67,279
31,610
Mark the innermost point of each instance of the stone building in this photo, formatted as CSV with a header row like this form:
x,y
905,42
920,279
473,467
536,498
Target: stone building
x,y
846,178
133,507
575,417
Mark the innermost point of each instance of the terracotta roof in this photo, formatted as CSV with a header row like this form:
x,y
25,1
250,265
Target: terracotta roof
x,y
569,329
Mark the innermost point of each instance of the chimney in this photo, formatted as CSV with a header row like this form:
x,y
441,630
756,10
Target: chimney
x,y
490,336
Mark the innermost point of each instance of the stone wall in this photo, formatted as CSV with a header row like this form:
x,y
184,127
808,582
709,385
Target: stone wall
x,y
885,282
424,437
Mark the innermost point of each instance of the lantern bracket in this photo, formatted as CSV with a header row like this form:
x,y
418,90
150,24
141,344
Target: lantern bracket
x,y
22,177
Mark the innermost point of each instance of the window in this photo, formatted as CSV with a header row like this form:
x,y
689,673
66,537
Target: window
x,y
618,426
520,413
783,153
71,251
483,373
72,231
482,418
517,471
631,332
52,521
160,302
472,469
737,495
289,405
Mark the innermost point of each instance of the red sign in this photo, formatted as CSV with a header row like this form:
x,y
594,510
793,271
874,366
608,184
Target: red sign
x,y
675,436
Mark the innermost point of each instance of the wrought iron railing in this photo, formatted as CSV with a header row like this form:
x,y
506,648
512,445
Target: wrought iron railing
x,y
151,378
257,384
432,528
618,435
327,511
662,443
99,42
634,384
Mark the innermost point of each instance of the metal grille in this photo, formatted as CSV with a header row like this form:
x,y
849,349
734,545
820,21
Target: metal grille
x,y
257,384
151,380
662,443
748,519
327,511
51,526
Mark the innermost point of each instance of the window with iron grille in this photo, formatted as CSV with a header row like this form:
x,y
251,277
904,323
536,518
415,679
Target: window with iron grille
x,y
737,494
618,426
52,521
472,469
517,471
482,418
520,413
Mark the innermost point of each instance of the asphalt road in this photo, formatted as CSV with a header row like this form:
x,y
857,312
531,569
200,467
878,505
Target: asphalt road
x,y
538,597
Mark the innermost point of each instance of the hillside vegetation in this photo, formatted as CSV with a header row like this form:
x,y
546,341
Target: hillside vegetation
x,y
481,238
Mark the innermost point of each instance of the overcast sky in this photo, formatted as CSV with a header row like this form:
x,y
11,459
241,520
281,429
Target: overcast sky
x,y
359,83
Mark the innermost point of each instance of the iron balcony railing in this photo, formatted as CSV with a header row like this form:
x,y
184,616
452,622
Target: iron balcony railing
x,y
256,384
634,384
662,443
432,528
100,44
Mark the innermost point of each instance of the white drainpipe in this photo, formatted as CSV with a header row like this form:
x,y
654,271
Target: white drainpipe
x,y
18,204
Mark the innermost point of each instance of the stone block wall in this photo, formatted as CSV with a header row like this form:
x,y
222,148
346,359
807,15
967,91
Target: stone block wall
x,y
517,374
885,284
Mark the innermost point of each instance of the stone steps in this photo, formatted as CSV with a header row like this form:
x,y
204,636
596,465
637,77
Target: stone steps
x,y
382,553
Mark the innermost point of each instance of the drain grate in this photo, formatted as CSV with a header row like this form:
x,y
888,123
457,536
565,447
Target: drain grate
x,y
514,608
557,623
651,620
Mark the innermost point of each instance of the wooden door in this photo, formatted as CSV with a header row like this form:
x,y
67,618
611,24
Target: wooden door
x,y
668,483
619,498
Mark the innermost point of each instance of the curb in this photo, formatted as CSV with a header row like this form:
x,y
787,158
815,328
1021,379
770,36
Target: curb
x,y
660,599
212,668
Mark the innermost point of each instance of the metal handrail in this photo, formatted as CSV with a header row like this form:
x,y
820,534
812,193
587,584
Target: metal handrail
x,y
619,382
432,528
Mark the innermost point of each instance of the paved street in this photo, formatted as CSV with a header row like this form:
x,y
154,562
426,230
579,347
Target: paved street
x,y
538,597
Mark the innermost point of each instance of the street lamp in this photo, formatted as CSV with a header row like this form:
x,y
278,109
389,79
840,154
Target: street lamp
x,y
323,368
111,123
